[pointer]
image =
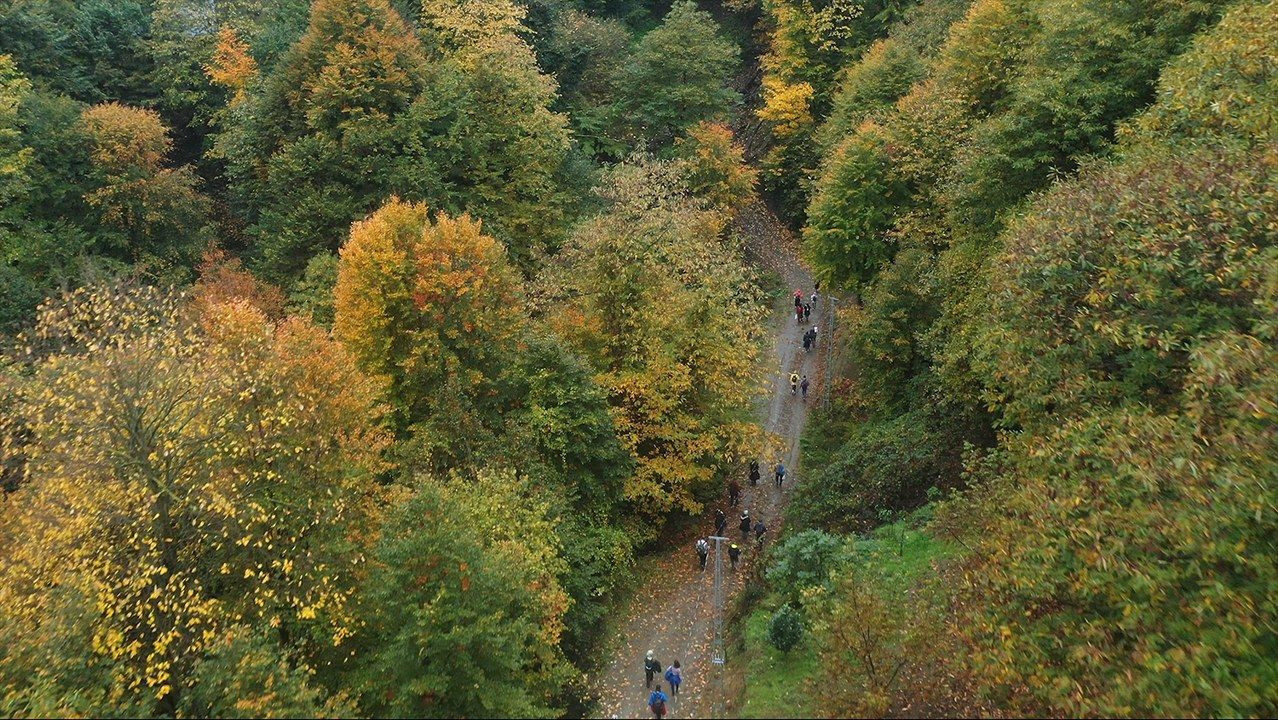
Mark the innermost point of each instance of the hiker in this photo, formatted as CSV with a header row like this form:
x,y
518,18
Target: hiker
x,y
779,475
804,386
798,313
745,525
720,522
807,311
657,703
754,473
798,298
703,551
759,530
650,667
734,554
794,383
807,341
674,676
814,335
734,493
814,297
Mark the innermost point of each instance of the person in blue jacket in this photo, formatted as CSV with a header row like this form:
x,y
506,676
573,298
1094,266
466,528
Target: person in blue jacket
x,y
674,676
657,703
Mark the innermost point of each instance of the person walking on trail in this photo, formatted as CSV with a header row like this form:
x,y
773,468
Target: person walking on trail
x,y
804,387
807,311
734,493
814,335
703,551
745,525
720,522
807,340
798,298
759,530
814,297
734,554
779,475
674,676
657,702
650,667
754,473
794,383
798,314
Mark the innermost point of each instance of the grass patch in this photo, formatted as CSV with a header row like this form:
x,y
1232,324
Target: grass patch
x,y
901,553
776,682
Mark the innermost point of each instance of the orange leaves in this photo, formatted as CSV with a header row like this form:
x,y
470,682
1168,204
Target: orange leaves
x,y
223,280
231,66
423,303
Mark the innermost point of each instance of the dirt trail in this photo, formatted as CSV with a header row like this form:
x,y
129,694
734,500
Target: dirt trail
x,y
674,617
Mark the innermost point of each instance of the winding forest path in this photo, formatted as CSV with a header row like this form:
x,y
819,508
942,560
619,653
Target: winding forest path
x,y
673,616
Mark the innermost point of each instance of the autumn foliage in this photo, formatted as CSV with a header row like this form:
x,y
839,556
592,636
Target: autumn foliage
x,y
426,304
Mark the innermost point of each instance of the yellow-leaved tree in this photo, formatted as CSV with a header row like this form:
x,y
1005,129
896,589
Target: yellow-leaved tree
x,y
659,301
193,499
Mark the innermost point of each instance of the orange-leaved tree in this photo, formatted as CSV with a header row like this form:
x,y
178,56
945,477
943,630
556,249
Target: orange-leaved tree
x,y
434,308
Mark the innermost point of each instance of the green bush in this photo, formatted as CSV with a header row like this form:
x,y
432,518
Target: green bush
x,y
886,464
803,560
786,628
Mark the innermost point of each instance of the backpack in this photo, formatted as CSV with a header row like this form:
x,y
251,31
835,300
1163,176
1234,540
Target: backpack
x,y
659,708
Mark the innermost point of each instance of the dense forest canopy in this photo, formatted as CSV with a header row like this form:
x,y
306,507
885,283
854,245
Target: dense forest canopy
x,y
355,354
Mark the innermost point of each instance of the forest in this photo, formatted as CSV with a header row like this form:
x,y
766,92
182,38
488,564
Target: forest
x,y
386,358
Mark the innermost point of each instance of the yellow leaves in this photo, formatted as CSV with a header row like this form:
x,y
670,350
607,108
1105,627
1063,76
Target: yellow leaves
x,y
126,139
786,106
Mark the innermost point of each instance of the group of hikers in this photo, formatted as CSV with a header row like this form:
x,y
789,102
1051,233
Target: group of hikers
x,y
674,675
802,311
658,699
746,524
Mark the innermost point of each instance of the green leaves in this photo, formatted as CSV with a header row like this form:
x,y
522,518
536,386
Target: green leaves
x,y
677,76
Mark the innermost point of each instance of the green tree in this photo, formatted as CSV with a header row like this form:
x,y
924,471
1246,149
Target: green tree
x,y
847,235
677,76
360,110
559,433
468,612
91,50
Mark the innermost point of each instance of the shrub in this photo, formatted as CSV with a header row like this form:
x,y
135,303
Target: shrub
x,y
785,630
803,560
886,464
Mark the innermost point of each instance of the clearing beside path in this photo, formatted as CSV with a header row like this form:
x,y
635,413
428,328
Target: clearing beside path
x,y
673,615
